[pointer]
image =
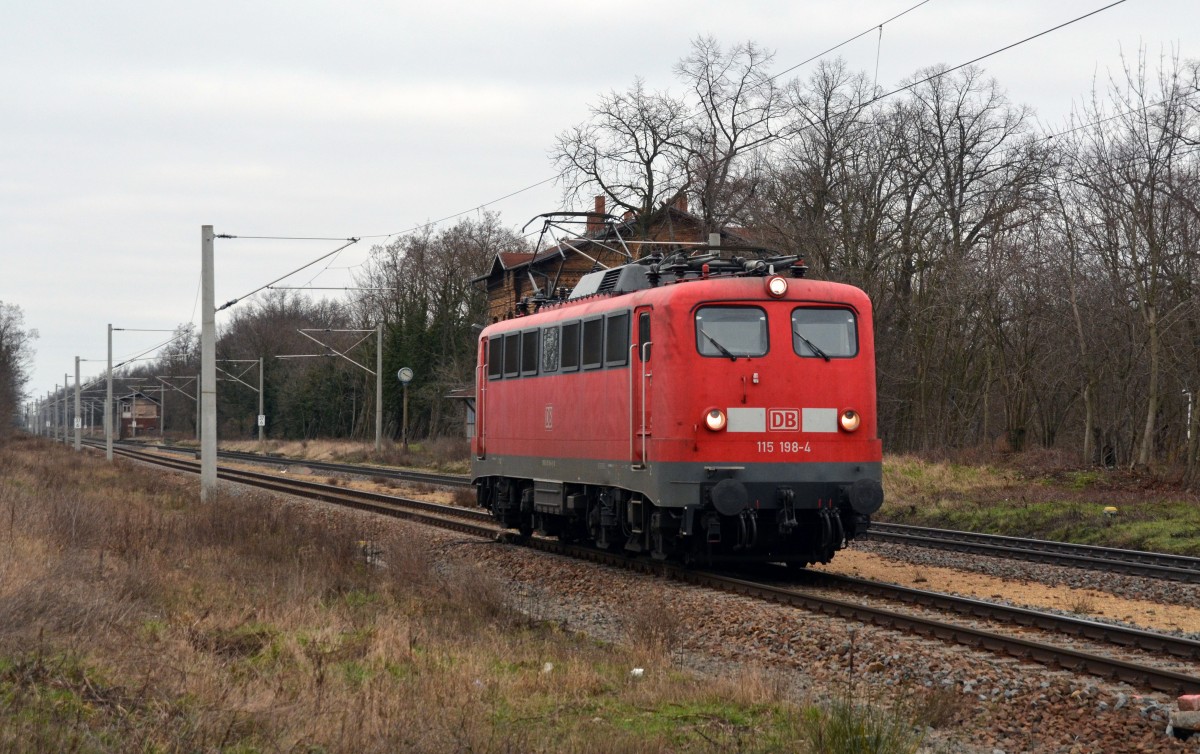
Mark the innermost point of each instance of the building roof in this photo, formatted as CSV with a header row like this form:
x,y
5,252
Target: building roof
x,y
136,394
505,260
512,260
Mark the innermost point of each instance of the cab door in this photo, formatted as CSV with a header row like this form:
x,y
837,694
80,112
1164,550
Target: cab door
x,y
640,386
488,355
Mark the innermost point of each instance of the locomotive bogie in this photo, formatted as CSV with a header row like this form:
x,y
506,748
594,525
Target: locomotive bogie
x,y
723,526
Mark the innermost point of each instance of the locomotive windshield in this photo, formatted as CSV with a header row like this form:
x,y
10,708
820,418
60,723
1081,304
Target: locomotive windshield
x,y
824,333
731,331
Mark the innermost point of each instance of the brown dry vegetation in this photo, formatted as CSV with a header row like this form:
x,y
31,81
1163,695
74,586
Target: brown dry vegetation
x,y
1043,494
447,454
132,618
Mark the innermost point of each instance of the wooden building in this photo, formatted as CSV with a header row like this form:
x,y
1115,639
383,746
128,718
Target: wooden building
x,y
138,415
514,276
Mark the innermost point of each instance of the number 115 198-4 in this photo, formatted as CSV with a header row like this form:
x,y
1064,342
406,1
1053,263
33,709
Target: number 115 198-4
x,y
783,446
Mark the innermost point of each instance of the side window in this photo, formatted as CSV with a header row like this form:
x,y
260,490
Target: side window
x,y
512,354
495,356
570,347
644,336
593,342
529,353
616,339
550,349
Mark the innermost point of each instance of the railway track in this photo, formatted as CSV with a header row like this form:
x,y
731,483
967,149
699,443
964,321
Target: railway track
x,y
466,520
478,523
426,477
1133,562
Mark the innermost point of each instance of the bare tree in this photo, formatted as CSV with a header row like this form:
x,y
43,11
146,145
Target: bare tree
x,y
628,152
969,174
305,397
420,286
16,350
1125,168
830,187
739,111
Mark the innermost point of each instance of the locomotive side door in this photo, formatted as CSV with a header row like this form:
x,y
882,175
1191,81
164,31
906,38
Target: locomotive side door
x,y
639,393
489,367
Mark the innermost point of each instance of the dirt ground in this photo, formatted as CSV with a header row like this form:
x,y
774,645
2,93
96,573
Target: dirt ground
x,y
1087,602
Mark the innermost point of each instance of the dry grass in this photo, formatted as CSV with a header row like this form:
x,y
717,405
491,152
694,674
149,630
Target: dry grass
x,y
465,497
654,625
1043,494
449,454
136,619
912,479
1083,604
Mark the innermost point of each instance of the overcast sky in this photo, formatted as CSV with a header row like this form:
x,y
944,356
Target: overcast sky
x,y
125,126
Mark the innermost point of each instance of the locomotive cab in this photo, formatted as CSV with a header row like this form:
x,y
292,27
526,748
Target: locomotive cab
x,y
783,392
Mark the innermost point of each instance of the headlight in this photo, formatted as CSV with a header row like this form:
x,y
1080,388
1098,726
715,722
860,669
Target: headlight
x,y
850,420
714,419
776,286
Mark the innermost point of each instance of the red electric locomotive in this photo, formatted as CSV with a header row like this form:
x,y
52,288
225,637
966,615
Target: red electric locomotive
x,y
693,408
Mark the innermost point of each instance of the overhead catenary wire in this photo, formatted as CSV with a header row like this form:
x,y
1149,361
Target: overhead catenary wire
x,y
874,99
231,302
861,34
875,27
553,178
322,288
477,207
972,61
941,73
283,238
165,343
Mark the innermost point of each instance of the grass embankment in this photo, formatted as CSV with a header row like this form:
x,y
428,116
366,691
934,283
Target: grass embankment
x,y
133,618
450,455
1026,497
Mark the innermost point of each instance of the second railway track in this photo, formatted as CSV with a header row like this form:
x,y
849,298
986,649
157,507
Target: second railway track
x,y
1133,562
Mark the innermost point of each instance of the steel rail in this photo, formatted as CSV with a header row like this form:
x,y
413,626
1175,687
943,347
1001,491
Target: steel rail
x,y
444,516
1163,566
427,477
1123,636
1133,562
1063,657
374,502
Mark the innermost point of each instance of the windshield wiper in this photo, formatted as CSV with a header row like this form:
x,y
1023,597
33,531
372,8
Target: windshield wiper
x,y
724,351
811,345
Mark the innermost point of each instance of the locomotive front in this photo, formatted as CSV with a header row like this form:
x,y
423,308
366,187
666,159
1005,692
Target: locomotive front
x,y
769,449
708,418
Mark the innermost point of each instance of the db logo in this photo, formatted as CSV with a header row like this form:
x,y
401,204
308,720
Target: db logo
x,y
783,420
